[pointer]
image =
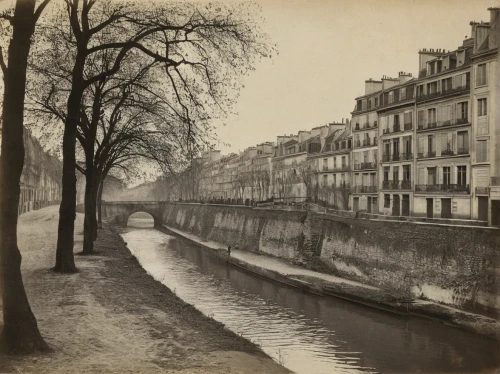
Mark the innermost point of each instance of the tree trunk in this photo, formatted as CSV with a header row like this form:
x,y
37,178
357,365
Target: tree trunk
x,y
88,223
99,204
20,331
95,188
65,260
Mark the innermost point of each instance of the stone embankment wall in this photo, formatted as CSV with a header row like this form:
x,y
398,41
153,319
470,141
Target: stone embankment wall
x,y
459,266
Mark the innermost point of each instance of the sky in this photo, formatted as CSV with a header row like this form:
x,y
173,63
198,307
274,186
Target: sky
x,y
327,49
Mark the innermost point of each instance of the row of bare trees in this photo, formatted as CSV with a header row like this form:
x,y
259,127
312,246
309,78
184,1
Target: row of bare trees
x,y
123,86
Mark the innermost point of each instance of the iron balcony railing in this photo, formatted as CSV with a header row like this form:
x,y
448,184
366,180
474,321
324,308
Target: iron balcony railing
x,y
343,167
364,189
433,125
444,92
482,190
365,165
426,155
442,188
365,126
408,126
396,101
397,185
397,157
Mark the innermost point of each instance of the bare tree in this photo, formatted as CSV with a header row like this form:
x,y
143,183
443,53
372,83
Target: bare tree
x,y
202,50
20,331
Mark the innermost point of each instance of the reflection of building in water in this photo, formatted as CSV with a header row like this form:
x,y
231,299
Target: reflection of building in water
x,y
41,177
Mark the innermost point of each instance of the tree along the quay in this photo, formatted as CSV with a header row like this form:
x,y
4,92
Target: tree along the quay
x,y
203,50
20,332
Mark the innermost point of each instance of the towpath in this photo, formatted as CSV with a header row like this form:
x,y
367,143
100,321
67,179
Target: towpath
x,y
111,317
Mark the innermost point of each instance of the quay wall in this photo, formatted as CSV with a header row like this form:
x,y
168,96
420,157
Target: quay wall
x,y
454,265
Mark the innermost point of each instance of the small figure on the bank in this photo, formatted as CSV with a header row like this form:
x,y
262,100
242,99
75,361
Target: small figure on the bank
x,y
228,252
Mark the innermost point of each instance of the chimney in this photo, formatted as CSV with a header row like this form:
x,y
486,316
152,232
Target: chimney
x,y
494,27
372,86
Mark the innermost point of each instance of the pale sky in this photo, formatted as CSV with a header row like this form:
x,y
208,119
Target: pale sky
x,y
328,48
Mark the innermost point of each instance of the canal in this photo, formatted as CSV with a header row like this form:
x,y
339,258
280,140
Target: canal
x,y
305,333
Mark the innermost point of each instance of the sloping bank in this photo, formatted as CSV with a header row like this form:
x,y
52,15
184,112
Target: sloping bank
x,y
112,317
441,272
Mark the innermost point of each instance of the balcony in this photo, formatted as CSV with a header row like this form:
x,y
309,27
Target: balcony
x,y
482,190
365,166
396,185
365,126
426,155
433,125
397,157
408,126
325,167
364,189
396,128
444,93
405,100
462,151
442,188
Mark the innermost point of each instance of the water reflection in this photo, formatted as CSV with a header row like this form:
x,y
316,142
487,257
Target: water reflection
x,y
309,334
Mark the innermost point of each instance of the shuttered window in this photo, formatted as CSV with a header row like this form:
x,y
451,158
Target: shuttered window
x,y
482,151
482,107
481,75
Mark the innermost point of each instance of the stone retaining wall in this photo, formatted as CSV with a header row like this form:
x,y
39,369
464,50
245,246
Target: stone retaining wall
x,y
449,264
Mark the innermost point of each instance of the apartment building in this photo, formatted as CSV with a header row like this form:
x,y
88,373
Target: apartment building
x,y
485,108
442,188
364,158
396,112
330,169
291,172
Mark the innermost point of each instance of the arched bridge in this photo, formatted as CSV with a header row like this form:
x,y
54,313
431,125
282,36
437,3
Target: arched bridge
x,y
120,211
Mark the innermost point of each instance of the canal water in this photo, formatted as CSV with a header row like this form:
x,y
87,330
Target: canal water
x,y
305,333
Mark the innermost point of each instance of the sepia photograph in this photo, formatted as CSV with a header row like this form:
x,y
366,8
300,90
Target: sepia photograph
x,y
249,186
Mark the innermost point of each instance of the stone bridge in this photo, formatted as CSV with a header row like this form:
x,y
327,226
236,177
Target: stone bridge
x,y
120,211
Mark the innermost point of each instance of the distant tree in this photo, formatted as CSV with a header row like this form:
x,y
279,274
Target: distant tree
x,y
20,331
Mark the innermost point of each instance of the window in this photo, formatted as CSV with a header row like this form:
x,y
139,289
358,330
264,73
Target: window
x,y
446,84
387,200
482,151
431,176
325,179
431,115
481,75
376,101
420,90
395,173
395,148
344,163
431,146
396,122
406,172
463,142
325,164
386,173
408,118
421,118
462,175
482,107
446,176
463,110
461,80
391,97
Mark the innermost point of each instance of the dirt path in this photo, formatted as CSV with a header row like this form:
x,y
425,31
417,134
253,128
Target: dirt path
x,y
113,317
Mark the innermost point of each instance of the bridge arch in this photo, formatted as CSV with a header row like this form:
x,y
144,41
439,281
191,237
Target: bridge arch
x,y
119,212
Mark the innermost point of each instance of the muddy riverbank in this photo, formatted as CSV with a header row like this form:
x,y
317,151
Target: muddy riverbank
x,y
113,317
